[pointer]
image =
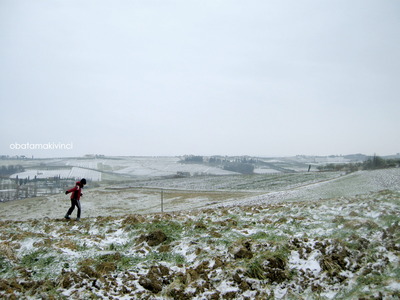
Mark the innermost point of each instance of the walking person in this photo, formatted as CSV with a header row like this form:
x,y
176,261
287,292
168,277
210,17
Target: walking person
x,y
76,193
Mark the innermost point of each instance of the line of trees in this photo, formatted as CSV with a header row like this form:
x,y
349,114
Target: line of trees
x,y
193,159
243,168
243,165
6,171
373,163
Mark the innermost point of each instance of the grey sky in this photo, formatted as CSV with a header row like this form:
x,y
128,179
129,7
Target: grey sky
x,y
200,77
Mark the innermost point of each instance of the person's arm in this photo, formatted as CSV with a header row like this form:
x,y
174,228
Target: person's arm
x,y
72,190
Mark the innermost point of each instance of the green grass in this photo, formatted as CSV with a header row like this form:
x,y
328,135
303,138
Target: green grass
x,y
389,219
260,235
41,262
125,262
208,235
370,286
254,269
38,258
172,229
5,265
170,257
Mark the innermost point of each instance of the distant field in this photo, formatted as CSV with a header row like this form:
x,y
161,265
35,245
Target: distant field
x,y
121,168
74,172
256,183
144,196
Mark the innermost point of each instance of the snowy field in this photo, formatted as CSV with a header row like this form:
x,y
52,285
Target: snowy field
x,y
122,168
74,172
337,248
144,196
278,236
141,166
117,168
163,166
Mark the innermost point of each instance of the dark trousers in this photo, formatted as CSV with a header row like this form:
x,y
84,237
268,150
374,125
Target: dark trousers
x,y
74,203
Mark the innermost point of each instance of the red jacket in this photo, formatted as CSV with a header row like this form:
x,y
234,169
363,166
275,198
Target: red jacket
x,y
76,191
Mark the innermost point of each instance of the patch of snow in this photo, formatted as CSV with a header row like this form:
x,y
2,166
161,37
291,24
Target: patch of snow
x,y
93,231
250,294
184,250
246,231
27,245
70,252
392,257
372,214
394,285
115,238
280,292
329,294
226,287
311,263
190,290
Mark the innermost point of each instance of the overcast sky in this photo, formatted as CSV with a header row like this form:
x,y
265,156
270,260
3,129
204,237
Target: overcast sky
x,y
256,77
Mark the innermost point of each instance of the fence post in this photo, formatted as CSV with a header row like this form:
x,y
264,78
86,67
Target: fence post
x,y
162,200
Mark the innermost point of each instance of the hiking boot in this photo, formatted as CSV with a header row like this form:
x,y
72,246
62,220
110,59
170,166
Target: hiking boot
x,y
67,217
78,219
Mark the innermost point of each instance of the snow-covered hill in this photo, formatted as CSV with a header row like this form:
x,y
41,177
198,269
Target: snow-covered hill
x,y
264,236
345,247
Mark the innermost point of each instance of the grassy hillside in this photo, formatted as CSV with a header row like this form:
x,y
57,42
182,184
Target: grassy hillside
x,y
144,196
338,248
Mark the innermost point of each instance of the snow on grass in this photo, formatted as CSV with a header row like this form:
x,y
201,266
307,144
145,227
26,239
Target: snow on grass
x,y
311,263
162,166
346,247
31,174
74,172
